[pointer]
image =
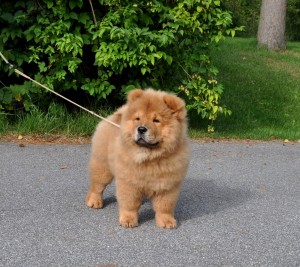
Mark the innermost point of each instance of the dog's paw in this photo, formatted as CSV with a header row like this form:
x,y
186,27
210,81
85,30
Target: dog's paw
x,y
166,221
94,201
128,221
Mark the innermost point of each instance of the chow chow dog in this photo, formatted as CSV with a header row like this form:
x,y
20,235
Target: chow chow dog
x,y
147,156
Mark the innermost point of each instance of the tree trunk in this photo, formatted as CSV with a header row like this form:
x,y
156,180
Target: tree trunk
x,y
271,28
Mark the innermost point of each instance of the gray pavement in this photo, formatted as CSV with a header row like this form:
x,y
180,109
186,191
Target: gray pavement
x,y
239,206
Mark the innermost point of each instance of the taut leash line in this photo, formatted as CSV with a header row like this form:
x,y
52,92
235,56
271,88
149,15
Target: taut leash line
x,y
52,91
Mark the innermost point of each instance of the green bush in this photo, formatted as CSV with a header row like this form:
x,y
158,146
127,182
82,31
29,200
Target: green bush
x,y
128,44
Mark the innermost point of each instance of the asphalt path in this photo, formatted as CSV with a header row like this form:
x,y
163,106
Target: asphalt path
x,y
239,206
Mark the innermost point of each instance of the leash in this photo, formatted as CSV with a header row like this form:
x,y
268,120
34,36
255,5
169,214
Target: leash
x,y
11,66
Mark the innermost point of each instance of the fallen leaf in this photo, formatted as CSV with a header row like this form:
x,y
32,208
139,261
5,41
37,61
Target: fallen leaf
x,y
261,189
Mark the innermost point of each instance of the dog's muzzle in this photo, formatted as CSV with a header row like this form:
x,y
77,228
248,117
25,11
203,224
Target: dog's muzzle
x,y
141,138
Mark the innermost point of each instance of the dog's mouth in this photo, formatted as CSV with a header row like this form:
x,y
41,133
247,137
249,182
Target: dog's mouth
x,y
142,142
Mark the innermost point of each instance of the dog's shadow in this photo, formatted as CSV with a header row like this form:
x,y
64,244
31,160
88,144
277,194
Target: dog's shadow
x,y
201,197
107,201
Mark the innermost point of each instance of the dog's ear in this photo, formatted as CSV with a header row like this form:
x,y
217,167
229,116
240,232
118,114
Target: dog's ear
x,y
176,104
134,94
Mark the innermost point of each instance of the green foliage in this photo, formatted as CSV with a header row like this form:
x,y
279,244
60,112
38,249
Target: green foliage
x,y
293,20
204,98
17,96
160,44
246,13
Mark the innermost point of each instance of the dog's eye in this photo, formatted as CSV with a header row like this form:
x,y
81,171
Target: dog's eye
x,y
156,120
137,118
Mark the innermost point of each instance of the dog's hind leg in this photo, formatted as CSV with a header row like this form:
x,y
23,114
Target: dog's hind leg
x,y
100,177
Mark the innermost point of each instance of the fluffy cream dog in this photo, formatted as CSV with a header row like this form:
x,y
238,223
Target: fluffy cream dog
x,y
148,156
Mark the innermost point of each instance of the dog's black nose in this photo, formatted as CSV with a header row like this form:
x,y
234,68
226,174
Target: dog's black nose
x,y
142,129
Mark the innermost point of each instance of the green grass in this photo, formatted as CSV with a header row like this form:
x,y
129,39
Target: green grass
x,y
57,120
262,88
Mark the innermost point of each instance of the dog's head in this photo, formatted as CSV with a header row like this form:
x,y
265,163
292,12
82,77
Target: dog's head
x,y
153,120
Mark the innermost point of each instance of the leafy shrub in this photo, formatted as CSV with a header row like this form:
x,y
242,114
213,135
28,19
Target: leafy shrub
x,y
162,44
